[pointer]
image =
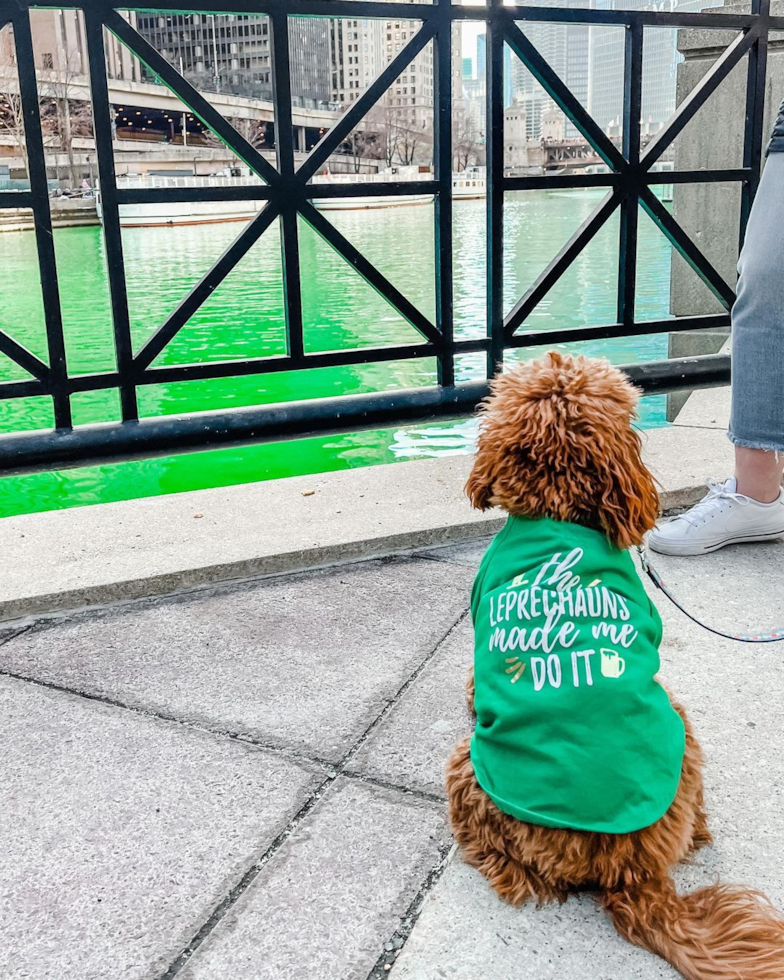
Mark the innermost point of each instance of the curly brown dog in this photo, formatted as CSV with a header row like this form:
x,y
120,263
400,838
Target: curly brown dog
x,y
557,451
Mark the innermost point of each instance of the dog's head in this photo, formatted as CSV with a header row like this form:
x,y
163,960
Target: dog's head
x,y
555,440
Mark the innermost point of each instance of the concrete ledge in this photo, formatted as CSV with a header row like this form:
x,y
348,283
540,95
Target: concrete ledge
x,y
106,553
707,409
100,554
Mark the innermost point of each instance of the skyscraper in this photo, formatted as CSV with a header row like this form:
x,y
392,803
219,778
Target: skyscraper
x,y
508,87
411,94
481,68
357,53
60,45
475,90
361,49
481,55
660,62
565,48
231,52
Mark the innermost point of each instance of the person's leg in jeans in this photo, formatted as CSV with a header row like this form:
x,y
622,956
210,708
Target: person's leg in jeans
x,y
750,505
757,422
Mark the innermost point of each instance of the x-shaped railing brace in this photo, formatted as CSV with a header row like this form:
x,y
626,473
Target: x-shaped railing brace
x,y
287,184
633,169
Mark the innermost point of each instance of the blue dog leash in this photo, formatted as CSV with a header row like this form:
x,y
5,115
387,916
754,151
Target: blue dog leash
x,y
763,636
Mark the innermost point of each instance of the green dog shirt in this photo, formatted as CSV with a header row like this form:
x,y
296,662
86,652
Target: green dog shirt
x,y
573,729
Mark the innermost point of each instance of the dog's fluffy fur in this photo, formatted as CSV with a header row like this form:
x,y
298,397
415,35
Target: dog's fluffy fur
x,y
556,440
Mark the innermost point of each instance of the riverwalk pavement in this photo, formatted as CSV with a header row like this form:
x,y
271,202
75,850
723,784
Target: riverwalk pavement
x,y
245,781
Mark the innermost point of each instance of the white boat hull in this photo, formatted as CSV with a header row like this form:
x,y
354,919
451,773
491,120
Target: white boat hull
x,y
177,213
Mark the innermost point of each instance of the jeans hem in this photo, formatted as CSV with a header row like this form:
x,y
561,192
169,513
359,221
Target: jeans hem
x,y
776,145
768,447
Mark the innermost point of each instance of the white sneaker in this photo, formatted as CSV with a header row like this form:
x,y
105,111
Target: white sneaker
x,y
722,517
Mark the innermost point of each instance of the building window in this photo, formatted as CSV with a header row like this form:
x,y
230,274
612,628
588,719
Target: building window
x,y
48,60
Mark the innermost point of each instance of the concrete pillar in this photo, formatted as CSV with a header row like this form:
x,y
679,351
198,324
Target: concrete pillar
x,y
713,139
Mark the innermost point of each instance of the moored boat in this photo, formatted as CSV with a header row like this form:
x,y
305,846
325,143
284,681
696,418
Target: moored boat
x,y
163,213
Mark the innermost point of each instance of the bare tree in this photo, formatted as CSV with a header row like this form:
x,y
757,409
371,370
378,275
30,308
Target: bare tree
x,y
12,123
409,140
466,141
65,118
253,130
398,137
362,145
386,135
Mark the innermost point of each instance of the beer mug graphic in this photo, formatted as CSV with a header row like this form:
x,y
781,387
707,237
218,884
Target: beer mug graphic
x,y
613,664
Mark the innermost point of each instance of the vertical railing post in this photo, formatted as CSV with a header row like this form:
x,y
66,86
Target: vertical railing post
x,y
44,236
755,111
630,206
110,214
494,143
284,139
442,173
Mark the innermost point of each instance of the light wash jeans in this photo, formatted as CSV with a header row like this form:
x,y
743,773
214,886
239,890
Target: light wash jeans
x,y
757,419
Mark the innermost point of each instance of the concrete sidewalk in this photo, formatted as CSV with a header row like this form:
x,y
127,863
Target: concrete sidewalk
x,y
245,782
103,553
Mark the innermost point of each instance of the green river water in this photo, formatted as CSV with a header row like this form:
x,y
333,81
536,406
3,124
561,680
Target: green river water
x,y
244,318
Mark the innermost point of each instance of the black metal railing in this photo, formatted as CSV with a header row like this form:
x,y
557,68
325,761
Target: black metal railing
x,y
287,193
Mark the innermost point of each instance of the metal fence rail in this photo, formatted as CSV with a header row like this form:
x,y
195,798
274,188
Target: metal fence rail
x,y
287,193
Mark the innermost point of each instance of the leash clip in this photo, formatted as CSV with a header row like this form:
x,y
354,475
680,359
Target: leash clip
x,y
650,571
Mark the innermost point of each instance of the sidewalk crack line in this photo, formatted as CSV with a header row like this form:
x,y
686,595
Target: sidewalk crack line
x,y
336,770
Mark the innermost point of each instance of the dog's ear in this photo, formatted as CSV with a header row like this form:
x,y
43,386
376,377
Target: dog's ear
x,y
515,438
479,488
629,507
501,429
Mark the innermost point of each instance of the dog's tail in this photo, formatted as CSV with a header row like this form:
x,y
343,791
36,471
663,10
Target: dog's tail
x,y
722,932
